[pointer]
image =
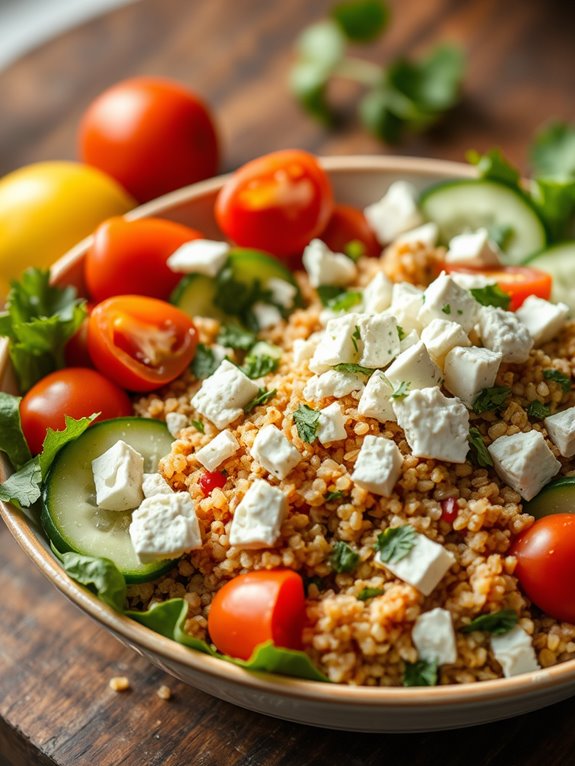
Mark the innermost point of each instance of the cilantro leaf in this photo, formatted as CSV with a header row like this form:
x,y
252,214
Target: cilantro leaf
x,y
497,623
361,20
538,410
331,497
480,451
355,249
55,440
446,309
555,200
366,593
558,377
345,301
491,295
343,558
256,366
307,423
400,332
355,336
491,399
199,426
235,336
205,362
262,397
401,390
493,165
420,673
12,441
356,369
553,151
395,543
327,293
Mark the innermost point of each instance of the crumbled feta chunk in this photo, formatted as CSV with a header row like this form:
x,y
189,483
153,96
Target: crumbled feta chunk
x,y
303,350
331,383
283,292
524,461
473,249
118,476
375,400
470,281
274,451
469,370
408,341
423,567
327,268
378,340
445,299
427,235
435,426
223,395
514,652
434,638
176,422
338,344
542,318
561,430
377,294
164,527
378,465
440,336
395,212
200,256
155,484
405,306
501,331
258,518
266,315
331,425
220,448
415,368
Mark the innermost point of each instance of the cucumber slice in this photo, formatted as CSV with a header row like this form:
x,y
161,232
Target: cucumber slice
x,y
70,516
457,206
556,497
195,293
559,261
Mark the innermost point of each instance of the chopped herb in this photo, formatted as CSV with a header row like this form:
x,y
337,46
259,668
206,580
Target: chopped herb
x,y
420,673
354,250
199,426
356,335
491,399
494,166
205,362
400,332
331,497
327,293
446,309
395,543
235,336
236,297
553,151
307,423
12,440
401,390
478,446
258,366
538,410
263,396
367,593
345,301
563,380
491,295
496,622
356,369
317,581
343,558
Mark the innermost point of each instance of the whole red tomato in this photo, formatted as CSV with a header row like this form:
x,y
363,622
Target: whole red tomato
x,y
151,135
276,203
348,228
76,392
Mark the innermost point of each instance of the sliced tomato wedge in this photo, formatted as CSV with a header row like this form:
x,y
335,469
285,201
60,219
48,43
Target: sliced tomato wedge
x,y
517,281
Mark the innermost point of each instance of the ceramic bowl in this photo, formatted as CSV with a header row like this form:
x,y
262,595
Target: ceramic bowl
x,y
357,181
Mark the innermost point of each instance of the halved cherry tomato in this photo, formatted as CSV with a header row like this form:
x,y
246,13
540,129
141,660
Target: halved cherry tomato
x,y
76,392
256,607
276,203
346,226
130,257
140,343
517,281
546,564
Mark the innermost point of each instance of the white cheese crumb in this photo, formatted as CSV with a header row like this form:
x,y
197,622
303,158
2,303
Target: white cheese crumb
x,y
395,213
155,484
377,339
303,350
327,268
258,518
375,400
473,249
514,652
378,465
561,430
283,292
434,638
176,422
338,344
440,336
201,256
331,424
501,331
427,235
165,527
524,461
266,315
409,340
118,476
415,368
224,394
219,449
445,299
406,304
377,294
274,452
469,370
542,318
331,383
423,567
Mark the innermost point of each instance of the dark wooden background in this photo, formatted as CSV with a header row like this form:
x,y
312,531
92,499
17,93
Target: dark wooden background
x,y
55,664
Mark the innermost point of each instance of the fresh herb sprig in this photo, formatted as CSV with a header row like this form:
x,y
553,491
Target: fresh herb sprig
x,y
497,623
420,673
343,558
537,410
558,377
490,399
262,397
480,451
491,295
395,543
307,423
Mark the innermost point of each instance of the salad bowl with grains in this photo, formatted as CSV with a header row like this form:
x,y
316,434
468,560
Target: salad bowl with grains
x,y
304,436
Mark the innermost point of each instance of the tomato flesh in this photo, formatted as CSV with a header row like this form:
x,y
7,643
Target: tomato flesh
x,y
347,226
517,281
211,480
449,509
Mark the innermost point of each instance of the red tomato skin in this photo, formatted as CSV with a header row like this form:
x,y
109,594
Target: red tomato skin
x,y
276,203
347,224
76,351
266,605
210,480
152,135
517,281
546,564
75,391
150,317
130,257
449,509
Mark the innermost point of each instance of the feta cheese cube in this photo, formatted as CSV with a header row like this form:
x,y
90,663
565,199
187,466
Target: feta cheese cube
x,y
427,235
274,452
524,461
406,303
155,484
514,652
375,400
501,331
434,638
378,340
164,527
469,370
473,249
118,476
435,426
445,299
339,344
304,349
331,425
327,268
561,430
440,336
201,256
266,315
423,567
408,341
378,465
283,293
223,395
415,368
395,212
331,383
220,448
377,294
542,318
176,422
258,518
469,281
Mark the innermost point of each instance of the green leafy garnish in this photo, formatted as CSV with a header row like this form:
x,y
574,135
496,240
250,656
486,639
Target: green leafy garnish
x,y
354,250
538,410
55,440
400,332
331,497
553,151
343,558
199,426
401,390
493,165
420,673
260,365
100,575
317,581
235,336
356,369
355,336
497,623
12,441
205,362
558,377
344,301
491,295
328,293
366,593
307,423
395,543
480,451
361,20
262,397
446,309
236,298
555,201
491,399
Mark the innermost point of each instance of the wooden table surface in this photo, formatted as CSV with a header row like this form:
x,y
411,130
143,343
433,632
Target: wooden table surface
x,y
55,663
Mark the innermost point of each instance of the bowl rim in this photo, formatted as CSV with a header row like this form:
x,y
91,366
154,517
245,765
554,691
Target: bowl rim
x,y
137,635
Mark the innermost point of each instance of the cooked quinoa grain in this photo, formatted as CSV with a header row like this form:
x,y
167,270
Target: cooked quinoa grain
x,y
119,684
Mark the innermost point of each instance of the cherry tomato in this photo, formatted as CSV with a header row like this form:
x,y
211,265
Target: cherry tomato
x,y
130,257
546,564
276,203
76,392
348,226
517,281
76,351
449,509
151,135
256,607
210,480
140,343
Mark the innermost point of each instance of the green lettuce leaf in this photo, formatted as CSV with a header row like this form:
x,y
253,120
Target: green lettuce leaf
x,y
12,441
494,166
55,440
361,20
552,153
101,576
